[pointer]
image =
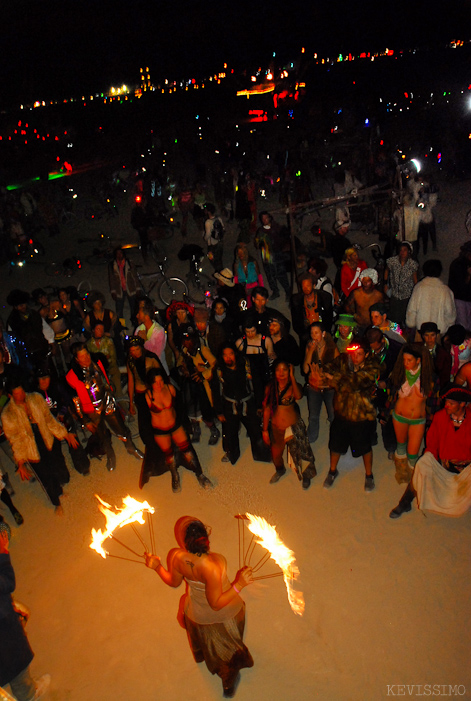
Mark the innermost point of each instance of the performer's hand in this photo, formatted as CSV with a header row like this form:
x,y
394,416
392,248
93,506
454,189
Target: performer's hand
x,y
72,440
90,427
23,471
142,334
132,409
221,418
152,561
244,577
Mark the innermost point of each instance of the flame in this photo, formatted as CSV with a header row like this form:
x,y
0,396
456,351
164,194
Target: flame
x,y
131,512
283,556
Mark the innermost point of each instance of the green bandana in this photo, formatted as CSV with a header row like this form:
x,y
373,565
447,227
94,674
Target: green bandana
x,y
412,379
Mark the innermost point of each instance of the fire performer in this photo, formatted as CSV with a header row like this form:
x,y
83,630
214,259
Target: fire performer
x,y
96,405
213,611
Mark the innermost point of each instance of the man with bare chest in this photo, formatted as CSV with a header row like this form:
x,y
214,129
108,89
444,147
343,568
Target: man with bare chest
x,y
361,299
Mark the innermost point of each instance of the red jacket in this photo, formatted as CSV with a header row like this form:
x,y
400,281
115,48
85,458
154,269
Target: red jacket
x,y
84,398
447,444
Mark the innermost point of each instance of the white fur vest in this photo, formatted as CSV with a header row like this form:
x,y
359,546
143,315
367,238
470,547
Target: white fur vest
x,y
19,432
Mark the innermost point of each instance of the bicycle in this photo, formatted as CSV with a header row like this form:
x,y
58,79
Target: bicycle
x,y
200,285
103,256
169,288
67,268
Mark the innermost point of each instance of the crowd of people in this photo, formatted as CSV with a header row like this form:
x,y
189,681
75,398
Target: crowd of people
x,y
385,351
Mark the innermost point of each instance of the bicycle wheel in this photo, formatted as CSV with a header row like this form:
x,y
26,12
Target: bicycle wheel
x,y
198,289
172,288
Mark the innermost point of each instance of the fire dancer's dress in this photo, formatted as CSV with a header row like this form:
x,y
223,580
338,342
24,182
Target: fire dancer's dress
x,y
216,636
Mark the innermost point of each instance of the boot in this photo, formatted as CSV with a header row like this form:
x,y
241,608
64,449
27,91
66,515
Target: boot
x,y
403,472
215,435
172,466
405,503
196,432
111,460
308,474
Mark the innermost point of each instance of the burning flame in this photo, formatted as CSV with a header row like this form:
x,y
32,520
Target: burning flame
x,y
283,556
131,512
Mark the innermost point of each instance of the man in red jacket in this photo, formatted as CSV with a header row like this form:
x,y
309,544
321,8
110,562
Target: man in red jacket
x,y
96,405
442,476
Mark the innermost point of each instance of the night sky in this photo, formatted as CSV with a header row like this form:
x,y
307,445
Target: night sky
x,y
53,49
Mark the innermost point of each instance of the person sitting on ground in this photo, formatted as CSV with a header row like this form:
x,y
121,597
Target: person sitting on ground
x,y
442,476
361,299
379,318
345,331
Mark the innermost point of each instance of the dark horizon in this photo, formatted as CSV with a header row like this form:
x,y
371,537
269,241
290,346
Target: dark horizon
x,y
53,49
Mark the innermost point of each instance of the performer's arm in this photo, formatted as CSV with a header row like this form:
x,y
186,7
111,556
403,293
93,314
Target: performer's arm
x,y
217,598
170,576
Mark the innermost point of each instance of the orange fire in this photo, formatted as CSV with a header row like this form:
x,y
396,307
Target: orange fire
x,y
131,512
283,556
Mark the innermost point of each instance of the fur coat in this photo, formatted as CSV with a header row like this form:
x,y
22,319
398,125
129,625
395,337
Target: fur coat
x,y
354,391
19,432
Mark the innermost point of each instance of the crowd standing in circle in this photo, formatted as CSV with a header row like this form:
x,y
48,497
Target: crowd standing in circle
x,y
389,349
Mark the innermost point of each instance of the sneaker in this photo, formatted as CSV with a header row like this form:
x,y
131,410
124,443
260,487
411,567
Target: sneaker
x,y
204,481
369,483
42,685
277,476
111,462
330,479
391,456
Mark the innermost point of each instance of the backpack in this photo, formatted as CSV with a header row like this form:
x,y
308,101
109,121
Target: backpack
x,y
218,230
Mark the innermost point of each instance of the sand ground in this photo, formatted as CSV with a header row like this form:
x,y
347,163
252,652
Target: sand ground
x,y
387,602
